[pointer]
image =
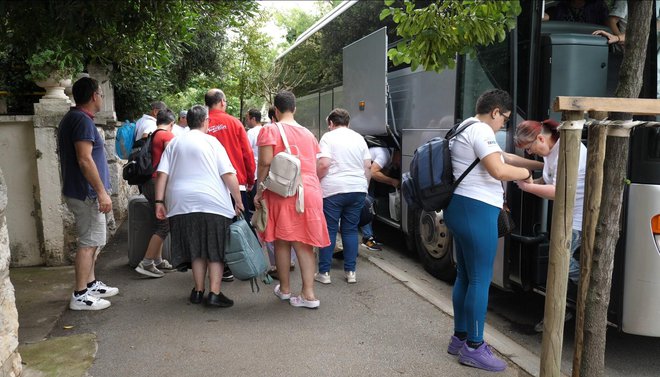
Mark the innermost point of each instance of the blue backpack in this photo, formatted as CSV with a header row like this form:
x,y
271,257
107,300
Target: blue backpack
x,y
124,140
430,183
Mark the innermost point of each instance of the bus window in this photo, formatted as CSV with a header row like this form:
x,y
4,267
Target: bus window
x,y
489,70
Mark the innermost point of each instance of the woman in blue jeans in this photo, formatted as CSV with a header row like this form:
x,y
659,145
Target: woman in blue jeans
x,y
343,166
472,218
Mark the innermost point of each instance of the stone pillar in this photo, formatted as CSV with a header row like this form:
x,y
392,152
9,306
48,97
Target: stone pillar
x,y
107,120
54,232
102,75
10,360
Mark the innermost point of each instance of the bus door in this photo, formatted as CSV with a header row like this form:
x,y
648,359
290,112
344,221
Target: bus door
x,y
571,62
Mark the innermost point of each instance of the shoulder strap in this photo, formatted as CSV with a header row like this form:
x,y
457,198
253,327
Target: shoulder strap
x,y
150,139
474,163
451,135
284,139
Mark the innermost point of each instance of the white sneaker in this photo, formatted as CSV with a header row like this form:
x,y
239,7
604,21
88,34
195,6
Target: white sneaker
x,y
86,301
322,277
99,289
165,266
150,270
350,277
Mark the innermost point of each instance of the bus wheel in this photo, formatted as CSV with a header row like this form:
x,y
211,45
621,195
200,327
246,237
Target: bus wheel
x,y
434,245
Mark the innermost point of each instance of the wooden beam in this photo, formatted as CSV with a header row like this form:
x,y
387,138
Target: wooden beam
x,y
637,106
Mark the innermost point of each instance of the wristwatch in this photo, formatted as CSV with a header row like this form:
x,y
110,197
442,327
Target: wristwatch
x,y
262,186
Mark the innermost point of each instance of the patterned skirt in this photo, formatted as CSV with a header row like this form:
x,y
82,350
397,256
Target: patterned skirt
x,y
198,235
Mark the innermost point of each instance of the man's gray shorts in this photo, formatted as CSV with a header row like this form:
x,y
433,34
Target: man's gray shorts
x,y
90,223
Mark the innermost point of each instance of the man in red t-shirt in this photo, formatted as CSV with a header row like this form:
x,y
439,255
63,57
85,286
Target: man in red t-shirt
x,y
231,134
153,263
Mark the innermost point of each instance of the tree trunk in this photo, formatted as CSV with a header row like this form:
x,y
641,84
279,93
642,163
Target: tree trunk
x,y
637,38
607,235
609,218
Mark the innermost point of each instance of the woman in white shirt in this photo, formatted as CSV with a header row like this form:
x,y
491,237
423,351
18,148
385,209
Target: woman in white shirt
x,y
195,186
472,218
344,168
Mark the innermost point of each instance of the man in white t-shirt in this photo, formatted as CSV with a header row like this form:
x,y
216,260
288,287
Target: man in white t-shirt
x,y
181,128
147,124
253,123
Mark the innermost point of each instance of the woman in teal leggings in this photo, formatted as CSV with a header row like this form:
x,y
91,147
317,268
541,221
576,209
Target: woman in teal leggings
x,y
472,218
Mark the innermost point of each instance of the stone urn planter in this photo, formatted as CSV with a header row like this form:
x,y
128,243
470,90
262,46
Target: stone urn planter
x,y
54,87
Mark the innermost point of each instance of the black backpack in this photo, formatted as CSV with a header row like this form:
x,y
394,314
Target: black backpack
x,y
139,168
430,183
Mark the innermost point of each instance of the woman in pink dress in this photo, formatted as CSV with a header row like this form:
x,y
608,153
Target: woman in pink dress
x,y
286,227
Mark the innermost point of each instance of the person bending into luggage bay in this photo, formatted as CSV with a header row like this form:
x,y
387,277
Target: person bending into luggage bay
x,y
153,264
286,226
86,183
195,186
542,139
383,161
472,218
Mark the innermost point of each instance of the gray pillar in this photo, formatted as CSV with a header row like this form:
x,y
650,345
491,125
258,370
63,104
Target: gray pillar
x,y
102,75
55,233
10,360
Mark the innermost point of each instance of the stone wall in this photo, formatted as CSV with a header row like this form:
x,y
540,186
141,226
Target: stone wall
x,y
121,191
10,360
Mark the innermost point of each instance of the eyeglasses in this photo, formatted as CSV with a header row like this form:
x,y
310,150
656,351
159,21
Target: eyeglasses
x,y
506,118
529,146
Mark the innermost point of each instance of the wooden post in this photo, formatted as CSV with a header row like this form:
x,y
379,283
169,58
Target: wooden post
x,y
593,186
560,242
600,226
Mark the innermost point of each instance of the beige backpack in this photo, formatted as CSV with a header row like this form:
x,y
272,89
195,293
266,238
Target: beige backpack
x,y
285,175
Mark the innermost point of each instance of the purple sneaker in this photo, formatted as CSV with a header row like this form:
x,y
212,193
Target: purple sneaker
x,y
481,358
455,345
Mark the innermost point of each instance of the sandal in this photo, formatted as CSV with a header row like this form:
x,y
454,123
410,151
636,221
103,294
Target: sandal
x,y
282,296
301,302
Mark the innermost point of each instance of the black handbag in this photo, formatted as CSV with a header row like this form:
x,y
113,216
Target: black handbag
x,y
505,224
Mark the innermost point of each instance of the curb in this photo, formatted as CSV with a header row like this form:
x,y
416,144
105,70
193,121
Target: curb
x,y
520,356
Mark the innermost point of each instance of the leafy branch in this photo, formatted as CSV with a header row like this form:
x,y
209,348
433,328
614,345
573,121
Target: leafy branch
x,y
433,35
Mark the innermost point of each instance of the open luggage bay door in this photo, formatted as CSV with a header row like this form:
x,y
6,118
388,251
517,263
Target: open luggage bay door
x,y
365,83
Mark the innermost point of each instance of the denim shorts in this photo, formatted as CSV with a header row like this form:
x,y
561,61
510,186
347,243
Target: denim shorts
x,y
90,223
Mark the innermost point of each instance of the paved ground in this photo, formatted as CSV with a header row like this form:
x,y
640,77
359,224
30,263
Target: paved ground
x,y
377,327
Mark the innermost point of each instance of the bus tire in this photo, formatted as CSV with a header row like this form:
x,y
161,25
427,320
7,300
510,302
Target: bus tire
x,y
434,245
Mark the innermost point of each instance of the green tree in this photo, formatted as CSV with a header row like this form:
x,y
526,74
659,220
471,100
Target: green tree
x,y
317,62
433,34
251,58
154,46
295,21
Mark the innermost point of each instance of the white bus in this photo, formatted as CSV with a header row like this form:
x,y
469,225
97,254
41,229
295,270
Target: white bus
x,y
537,62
